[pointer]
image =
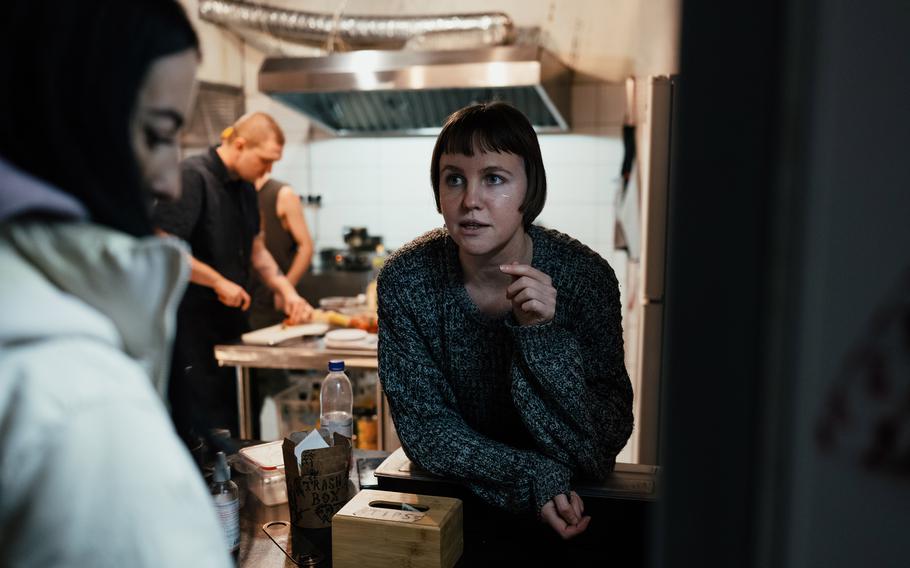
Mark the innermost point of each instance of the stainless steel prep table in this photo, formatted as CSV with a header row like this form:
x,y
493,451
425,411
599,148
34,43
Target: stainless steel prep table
x,y
301,355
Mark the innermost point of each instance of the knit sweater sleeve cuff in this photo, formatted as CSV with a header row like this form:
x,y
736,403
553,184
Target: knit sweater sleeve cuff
x,y
541,342
548,482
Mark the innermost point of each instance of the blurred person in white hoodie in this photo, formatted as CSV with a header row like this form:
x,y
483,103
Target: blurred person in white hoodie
x,y
91,470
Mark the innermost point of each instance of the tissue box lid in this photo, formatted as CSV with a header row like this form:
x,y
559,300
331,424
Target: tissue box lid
x,y
380,506
367,535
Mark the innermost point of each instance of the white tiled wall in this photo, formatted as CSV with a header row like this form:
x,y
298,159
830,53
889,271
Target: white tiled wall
x,y
384,185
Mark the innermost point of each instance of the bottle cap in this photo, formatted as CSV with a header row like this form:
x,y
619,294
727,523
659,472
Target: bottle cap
x,y
336,365
222,472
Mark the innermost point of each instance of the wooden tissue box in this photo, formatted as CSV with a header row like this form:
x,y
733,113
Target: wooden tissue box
x,y
381,529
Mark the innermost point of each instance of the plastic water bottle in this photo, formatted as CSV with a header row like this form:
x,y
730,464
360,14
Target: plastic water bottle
x,y
336,403
227,501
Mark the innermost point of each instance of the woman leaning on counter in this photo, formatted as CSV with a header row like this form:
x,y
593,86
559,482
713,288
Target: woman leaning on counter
x,y
500,345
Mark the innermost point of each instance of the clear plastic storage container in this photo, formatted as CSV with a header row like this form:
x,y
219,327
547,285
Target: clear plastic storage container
x,y
264,465
298,406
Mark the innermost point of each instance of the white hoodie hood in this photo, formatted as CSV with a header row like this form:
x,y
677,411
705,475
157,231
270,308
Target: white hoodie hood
x,y
82,279
76,279
88,316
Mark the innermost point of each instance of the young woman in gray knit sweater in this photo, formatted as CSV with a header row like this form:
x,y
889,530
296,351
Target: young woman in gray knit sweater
x,y
500,342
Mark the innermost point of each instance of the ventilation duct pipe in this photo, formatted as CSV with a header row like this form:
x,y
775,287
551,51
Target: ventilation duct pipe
x,y
355,32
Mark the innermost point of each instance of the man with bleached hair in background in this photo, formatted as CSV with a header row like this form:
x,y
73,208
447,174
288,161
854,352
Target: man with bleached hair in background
x,y
218,215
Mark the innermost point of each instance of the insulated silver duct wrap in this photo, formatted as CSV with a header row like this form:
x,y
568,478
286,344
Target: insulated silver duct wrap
x,y
355,31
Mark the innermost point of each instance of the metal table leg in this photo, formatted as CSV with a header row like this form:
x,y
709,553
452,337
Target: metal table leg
x,y
244,403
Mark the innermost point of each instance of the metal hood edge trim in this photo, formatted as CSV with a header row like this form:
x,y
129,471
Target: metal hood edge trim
x,y
411,92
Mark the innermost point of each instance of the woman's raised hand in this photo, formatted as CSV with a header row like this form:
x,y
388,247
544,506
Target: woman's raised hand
x,y
532,294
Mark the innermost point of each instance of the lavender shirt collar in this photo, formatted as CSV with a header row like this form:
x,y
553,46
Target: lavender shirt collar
x,y
21,193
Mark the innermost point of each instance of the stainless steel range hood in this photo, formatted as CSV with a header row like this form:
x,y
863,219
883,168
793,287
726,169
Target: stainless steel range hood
x,y
370,93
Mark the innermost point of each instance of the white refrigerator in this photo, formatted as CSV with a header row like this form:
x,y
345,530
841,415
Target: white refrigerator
x,y
641,217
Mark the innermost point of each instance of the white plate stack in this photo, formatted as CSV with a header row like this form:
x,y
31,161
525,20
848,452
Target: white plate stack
x,y
351,339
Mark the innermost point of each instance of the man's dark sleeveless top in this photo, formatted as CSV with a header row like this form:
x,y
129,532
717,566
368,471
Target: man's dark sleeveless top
x,y
278,240
281,245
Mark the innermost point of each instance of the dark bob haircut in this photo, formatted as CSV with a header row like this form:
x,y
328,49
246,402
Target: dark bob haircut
x,y
72,71
494,127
